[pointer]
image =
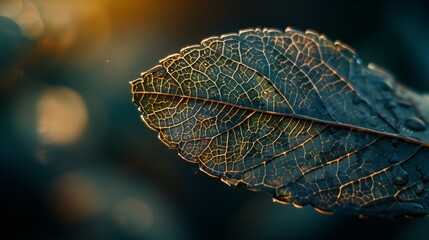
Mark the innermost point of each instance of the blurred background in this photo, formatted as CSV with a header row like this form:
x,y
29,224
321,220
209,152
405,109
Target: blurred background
x,y
76,162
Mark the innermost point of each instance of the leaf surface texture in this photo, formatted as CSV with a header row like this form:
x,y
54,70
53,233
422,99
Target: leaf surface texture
x,y
294,114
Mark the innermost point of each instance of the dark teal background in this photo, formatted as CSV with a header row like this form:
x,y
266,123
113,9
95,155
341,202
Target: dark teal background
x,y
105,44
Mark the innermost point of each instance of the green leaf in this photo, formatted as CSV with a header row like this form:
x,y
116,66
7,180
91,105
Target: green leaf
x,y
296,115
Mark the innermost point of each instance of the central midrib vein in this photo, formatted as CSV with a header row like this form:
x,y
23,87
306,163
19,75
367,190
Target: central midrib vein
x,y
297,116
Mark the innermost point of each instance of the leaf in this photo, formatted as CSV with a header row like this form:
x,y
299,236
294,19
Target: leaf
x,y
296,115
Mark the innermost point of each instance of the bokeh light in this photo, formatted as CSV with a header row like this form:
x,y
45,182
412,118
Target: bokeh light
x,y
26,15
61,116
75,199
133,215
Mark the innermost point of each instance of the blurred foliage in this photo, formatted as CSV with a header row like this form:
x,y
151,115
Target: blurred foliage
x,y
77,163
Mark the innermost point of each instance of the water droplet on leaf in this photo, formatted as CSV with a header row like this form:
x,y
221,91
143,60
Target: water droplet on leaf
x,y
419,188
415,123
389,105
419,168
404,103
400,176
400,180
394,159
395,142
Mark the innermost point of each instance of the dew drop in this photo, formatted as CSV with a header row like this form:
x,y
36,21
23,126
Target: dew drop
x,y
404,103
400,180
394,159
389,105
415,123
384,86
419,189
395,142
400,176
